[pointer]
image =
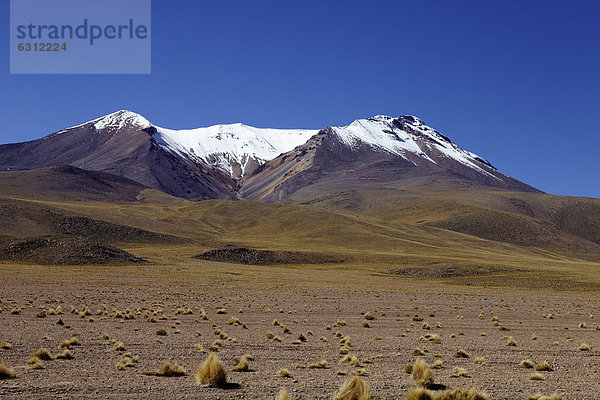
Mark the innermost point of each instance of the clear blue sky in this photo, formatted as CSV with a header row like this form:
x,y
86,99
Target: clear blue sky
x,y
517,82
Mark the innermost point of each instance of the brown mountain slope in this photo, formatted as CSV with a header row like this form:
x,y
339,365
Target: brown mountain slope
x,y
326,165
126,150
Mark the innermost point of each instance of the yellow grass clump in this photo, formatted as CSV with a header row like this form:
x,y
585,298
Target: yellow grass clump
x,y
64,355
527,364
462,354
43,354
353,389
543,366
169,369
283,395
536,376
421,373
5,372
284,373
318,364
554,396
456,394
243,365
211,372
35,363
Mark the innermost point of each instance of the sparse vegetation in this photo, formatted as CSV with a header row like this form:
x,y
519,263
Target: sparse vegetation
x,y
536,376
5,372
65,355
353,389
43,354
421,373
462,354
168,369
211,372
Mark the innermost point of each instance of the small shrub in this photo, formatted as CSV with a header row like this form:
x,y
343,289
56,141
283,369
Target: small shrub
x,y
168,369
43,354
536,376
284,373
353,389
543,366
35,363
119,346
421,373
161,332
198,349
479,361
318,364
462,354
583,347
64,355
243,365
283,395
6,373
527,364
511,341
211,372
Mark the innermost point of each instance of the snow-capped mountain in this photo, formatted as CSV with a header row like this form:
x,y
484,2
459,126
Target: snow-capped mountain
x,y
236,149
238,161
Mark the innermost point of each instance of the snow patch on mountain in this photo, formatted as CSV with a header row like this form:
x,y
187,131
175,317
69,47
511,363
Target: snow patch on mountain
x,y
121,119
382,133
224,146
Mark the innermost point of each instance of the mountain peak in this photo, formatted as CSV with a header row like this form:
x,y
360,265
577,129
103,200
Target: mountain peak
x,y
121,119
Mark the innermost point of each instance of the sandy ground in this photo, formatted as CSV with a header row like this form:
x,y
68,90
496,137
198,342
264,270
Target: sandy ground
x,y
306,301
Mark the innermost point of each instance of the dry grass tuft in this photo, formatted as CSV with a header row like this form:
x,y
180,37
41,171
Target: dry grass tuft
x,y
119,346
536,377
456,394
437,364
351,360
543,366
6,373
243,365
510,341
421,373
283,395
64,355
43,354
65,344
462,354
583,347
353,389
198,349
527,364
480,361
169,369
126,361
211,372
284,373
35,363
5,346
318,364
554,396
460,372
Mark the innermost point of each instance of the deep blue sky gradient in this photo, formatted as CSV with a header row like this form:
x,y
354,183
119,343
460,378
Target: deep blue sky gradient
x,y
517,82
